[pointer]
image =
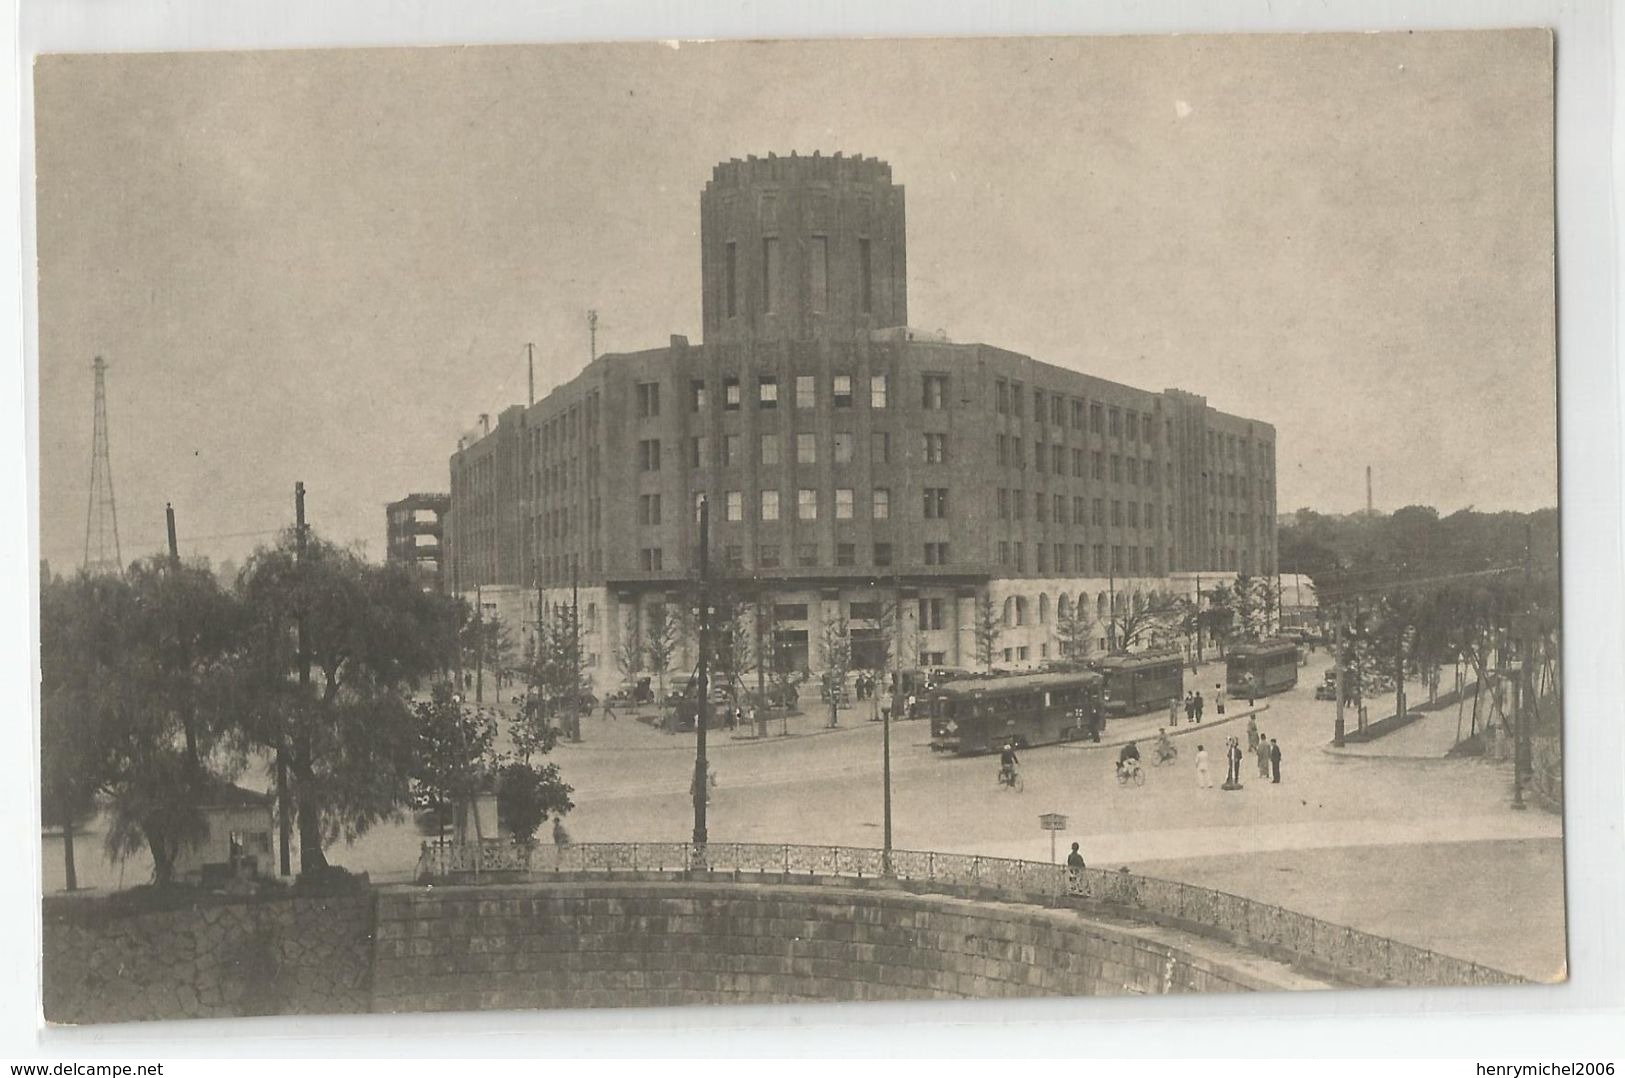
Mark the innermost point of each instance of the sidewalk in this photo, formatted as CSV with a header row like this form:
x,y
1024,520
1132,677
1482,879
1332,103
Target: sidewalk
x,y
1144,728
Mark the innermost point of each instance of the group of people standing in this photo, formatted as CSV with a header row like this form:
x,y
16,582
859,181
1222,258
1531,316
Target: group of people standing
x,y
1194,706
1266,751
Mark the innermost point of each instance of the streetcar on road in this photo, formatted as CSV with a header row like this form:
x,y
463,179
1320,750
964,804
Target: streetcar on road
x,y
978,715
1269,666
1142,682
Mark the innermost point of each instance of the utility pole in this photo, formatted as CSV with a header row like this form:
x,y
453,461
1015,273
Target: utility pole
x,y
1199,656
1337,665
174,548
592,335
702,703
479,646
575,654
300,549
886,718
530,366
1370,506
761,673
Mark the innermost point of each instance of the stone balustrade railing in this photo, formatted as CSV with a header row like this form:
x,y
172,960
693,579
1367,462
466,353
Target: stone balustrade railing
x,y
1259,924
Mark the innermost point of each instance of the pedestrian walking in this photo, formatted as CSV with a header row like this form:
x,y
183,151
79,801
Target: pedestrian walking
x,y
561,837
1252,734
1173,711
1262,751
1198,708
1275,762
1232,756
1218,698
1202,779
1190,707
609,708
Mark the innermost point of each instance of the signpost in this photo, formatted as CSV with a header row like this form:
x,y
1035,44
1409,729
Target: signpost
x,y
1052,822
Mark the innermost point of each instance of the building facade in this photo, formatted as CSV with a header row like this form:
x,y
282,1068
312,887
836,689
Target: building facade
x,y
415,535
849,461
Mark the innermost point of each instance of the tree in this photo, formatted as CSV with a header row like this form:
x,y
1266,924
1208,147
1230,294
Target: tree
x,y
835,653
372,635
454,753
526,795
1266,603
665,633
1076,631
1141,616
631,655
1219,618
499,651
1247,624
986,629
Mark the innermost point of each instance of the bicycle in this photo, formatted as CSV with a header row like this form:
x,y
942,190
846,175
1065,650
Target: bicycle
x,y
1130,771
1011,777
1167,757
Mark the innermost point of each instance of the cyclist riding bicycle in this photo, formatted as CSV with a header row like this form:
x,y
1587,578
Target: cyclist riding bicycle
x,y
1165,747
1008,762
1128,760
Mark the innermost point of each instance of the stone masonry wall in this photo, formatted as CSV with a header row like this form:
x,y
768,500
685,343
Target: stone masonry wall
x,y
216,958
649,944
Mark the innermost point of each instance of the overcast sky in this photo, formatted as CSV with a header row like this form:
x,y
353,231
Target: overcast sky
x,y
324,265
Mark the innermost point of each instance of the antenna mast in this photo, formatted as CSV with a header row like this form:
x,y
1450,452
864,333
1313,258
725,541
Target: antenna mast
x,y
592,335
102,553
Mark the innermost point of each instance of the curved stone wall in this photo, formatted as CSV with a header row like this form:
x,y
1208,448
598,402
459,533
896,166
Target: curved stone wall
x,y
640,944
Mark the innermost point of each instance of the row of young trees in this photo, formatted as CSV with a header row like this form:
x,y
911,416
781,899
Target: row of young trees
x,y
161,685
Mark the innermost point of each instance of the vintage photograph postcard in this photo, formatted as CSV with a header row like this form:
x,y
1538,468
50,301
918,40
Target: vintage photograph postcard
x,y
556,527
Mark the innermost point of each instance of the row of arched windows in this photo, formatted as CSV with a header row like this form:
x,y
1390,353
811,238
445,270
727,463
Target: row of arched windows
x,y
1016,607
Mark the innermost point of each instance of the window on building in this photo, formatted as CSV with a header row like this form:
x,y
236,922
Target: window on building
x,y
649,455
1077,463
769,449
1114,420
1117,468
931,615
1060,557
649,509
732,450
1060,509
1038,406
806,391
1003,444
1117,559
1097,416
770,273
696,452
818,262
1097,466
1078,516
841,391
1040,508
806,504
880,503
934,392
734,501
882,554
733,556
1133,559
936,503
696,396
767,390
877,391
1117,513
1098,515
1132,420
1021,557
648,400
1004,504
767,555
770,505
1056,410
649,559
1018,503
866,280
1134,471
1038,457
1134,514
1146,430
1004,552
731,278
936,448
936,553
1077,415
846,554
843,503
1041,556
1001,397
790,612
879,447
806,449
730,394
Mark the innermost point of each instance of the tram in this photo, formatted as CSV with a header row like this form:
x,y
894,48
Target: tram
x,y
977,715
1142,682
1269,666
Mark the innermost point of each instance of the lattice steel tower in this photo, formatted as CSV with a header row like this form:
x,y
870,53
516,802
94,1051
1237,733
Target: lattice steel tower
x,y
102,554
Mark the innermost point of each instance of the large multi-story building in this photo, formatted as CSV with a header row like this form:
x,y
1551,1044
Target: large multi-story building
x,y
847,458
414,534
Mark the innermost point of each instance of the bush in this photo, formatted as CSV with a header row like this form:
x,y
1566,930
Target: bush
x,y
526,795
330,880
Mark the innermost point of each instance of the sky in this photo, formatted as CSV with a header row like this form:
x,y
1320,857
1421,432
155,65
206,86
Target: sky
x,y
324,265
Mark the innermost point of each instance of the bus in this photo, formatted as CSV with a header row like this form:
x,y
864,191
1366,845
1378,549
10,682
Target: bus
x,y
1269,666
977,715
1142,682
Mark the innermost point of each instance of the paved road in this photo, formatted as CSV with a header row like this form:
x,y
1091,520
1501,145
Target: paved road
x,y
632,784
